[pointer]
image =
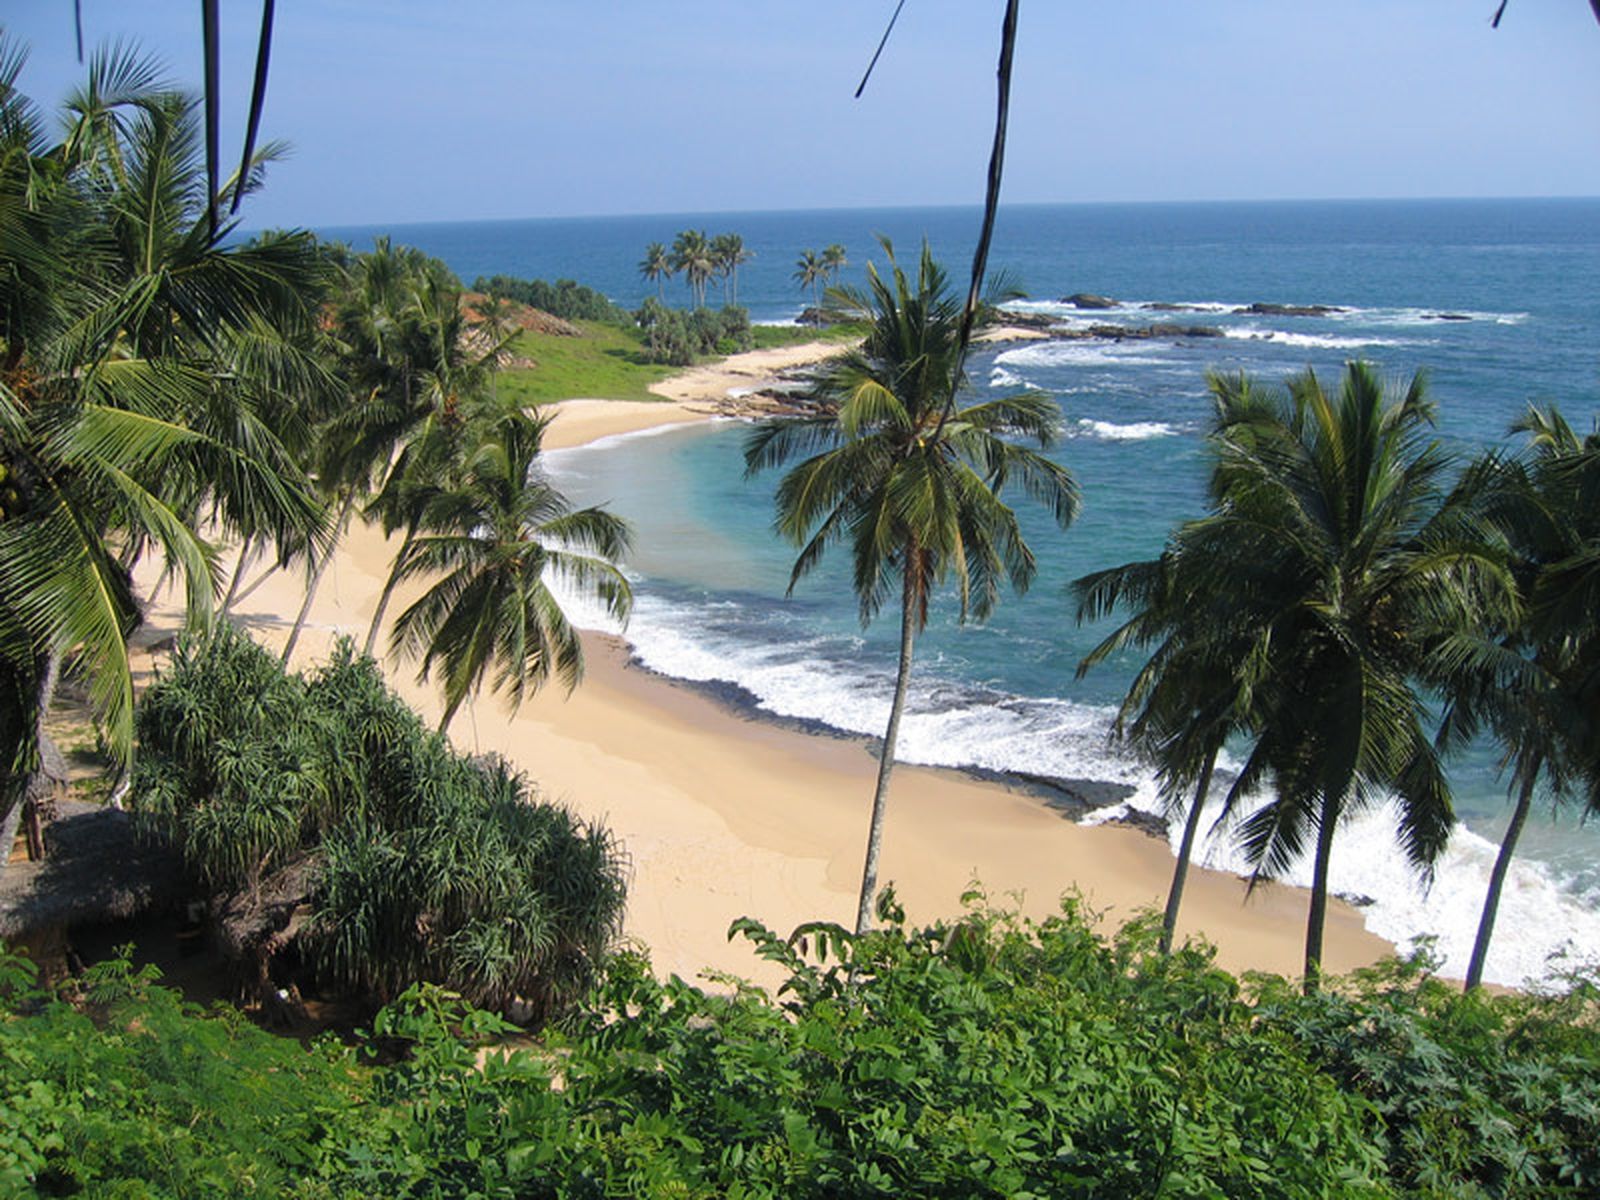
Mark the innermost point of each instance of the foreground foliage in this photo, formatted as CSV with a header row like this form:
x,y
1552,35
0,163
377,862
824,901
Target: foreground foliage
x,y
985,1057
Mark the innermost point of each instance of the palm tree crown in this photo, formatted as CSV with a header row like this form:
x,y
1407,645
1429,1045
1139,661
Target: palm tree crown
x,y
1331,531
493,545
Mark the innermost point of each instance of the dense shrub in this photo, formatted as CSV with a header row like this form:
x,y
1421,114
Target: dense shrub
x,y
419,863
678,338
983,1057
565,298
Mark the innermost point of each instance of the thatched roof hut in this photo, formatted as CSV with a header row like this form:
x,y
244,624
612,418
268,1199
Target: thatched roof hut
x,y
97,871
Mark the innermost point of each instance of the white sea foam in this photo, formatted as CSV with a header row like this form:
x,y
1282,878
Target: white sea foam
x,y
1077,354
999,377
1110,431
1314,341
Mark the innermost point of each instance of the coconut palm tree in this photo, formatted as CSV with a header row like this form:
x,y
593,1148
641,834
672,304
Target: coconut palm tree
x,y
1192,693
692,258
811,272
656,266
834,261
730,254
910,477
1534,681
1331,530
493,546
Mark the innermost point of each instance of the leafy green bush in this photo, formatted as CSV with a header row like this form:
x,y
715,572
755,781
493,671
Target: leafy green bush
x,y
986,1056
678,338
565,298
419,863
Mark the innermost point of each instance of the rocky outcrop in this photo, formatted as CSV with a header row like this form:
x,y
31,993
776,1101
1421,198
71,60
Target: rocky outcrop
x,y
1137,333
1088,300
1262,309
1445,317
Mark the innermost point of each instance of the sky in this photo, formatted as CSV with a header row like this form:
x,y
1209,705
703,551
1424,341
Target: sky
x,y
399,111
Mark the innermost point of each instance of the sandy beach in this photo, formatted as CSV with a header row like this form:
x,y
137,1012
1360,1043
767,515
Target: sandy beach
x,y
724,815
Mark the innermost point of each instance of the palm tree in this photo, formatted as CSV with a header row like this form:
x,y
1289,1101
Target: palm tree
x,y
1534,681
834,261
911,478
656,266
729,252
495,543
811,272
691,255
1189,697
1331,531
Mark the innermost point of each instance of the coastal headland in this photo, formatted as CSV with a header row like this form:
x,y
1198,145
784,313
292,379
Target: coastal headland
x,y
724,814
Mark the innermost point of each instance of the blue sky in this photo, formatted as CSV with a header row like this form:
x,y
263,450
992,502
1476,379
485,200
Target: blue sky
x,y
401,111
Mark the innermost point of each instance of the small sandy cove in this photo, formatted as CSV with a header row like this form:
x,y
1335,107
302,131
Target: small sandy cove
x,y
724,816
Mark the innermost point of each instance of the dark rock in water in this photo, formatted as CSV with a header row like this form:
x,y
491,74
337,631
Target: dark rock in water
x,y
1260,309
1025,320
1137,333
1088,300
813,316
1445,317
1147,823
1168,306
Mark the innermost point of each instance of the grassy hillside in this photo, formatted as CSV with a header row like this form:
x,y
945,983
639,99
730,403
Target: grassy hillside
x,y
606,363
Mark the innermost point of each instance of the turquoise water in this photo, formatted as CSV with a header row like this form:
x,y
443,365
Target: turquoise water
x,y
711,576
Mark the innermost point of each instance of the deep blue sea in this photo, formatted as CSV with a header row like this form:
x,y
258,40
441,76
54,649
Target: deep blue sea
x,y
1519,279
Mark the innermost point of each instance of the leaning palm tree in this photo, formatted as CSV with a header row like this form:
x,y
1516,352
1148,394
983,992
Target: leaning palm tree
x,y
1189,697
834,261
912,478
1330,528
1534,681
493,546
129,332
656,266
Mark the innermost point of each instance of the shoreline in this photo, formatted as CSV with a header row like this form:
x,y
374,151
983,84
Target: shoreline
x,y
725,812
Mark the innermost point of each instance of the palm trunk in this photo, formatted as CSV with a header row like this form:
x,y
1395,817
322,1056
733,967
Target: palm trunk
x,y
246,555
388,588
1317,917
1497,879
1180,872
316,576
22,809
908,631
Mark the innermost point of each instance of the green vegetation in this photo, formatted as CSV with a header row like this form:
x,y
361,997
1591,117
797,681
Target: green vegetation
x,y
418,863
681,338
910,480
769,337
152,376
984,1057
565,298
607,362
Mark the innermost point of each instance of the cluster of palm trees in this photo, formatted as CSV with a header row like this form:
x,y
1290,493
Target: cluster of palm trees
x,y
154,382
815,272
165,388
701,260
1339,589
1346,614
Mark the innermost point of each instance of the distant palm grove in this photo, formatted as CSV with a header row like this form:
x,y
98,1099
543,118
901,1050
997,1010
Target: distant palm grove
x,y
183,409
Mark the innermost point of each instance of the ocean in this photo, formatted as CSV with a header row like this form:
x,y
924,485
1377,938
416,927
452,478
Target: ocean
x,y
1494,300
